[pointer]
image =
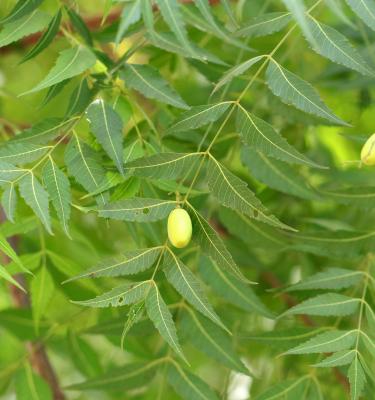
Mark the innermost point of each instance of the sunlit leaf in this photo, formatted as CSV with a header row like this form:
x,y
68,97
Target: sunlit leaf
x,y
71,62
24,26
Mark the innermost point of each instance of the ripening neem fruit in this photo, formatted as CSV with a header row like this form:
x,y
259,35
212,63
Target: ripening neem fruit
x,y
179,228
368,151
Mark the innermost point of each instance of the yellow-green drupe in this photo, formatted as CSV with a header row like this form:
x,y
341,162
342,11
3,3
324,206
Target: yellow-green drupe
x,y
179,228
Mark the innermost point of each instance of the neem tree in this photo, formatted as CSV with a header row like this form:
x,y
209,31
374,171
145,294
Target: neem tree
x,y
118,114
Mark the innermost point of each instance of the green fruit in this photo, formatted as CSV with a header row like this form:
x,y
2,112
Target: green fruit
x,y
368,151
179,228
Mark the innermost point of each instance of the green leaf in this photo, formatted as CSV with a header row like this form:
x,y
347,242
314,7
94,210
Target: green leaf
x,y
333,45
128,293
298,11
21,8
232,192
229,12
21,153
71,62
85,165
261,136
167,41
42,290
58,188
216,27
129,16
68,267
365,9
265,24
25,26
295,91
9,172
357,378
281,339
188,286
230,289
147,14
54,91
31,386
37,198
326,304
138,209
337,359
289,389
276,174
211,244
46,39
337,7
161,317
132,262
79,25
198,116
128,377
251,232
205,336
106,125
170,10
8,250
9,201
326,342
6,275
236,71
331,278
80,99
164,165
134,315
370,317
363,197
83,356
151,84
187,385
341,244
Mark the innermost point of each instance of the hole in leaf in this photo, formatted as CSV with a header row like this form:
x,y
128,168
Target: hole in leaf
x,y
146,210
